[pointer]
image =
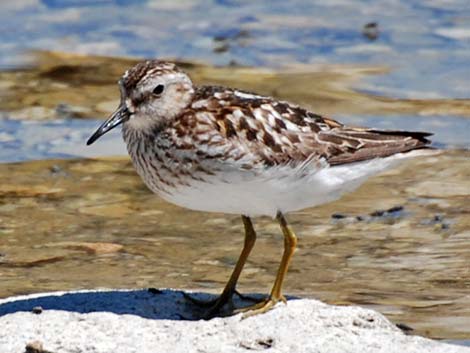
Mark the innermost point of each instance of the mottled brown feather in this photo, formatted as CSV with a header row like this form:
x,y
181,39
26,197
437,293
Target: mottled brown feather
x,y
277,133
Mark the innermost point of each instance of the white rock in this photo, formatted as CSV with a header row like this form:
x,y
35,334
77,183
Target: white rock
x,y
141,321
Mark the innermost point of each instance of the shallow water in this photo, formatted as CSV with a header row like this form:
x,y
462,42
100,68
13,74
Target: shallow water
x,y
425,42
91,223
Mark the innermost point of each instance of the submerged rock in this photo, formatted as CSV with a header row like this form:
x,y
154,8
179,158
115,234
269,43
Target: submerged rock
x,y
150,321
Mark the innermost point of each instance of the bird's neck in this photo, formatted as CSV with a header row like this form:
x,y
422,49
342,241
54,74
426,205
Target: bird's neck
x,y
153,139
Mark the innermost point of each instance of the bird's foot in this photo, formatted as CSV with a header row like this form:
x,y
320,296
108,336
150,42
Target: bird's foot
x,y
261,307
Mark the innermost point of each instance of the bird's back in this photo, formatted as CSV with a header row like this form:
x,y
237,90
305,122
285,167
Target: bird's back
x,y
274,132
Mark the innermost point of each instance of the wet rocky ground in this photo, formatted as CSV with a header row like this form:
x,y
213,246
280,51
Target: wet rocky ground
x,y
398,244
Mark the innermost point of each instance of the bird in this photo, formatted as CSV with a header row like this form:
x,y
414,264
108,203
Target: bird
x,y
219,149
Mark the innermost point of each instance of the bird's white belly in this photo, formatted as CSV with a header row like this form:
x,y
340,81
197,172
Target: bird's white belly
x,y
276,189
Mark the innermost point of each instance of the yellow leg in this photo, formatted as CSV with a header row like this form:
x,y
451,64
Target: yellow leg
x,y
290,243
230,287
250,239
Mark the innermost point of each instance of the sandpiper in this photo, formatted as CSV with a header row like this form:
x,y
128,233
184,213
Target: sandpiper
x,y
219,149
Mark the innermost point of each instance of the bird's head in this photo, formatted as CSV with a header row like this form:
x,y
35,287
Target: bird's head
x,y
152,92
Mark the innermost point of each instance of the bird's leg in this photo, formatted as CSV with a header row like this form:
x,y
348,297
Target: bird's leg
x,y
290,242
229,290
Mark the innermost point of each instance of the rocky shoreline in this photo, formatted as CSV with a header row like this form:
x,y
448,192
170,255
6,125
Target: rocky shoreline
x,y
163,321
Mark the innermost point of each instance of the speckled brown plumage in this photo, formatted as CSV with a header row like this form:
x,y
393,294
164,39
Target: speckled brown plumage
x,y
276,132
132,77
219,125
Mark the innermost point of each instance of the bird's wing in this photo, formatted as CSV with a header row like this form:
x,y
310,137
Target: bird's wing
x,y
256,131
372,143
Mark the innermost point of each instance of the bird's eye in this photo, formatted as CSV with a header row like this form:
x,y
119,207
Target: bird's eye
x,y
158,90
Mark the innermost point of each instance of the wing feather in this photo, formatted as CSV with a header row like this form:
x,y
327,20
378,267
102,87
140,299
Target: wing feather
x,y
267,132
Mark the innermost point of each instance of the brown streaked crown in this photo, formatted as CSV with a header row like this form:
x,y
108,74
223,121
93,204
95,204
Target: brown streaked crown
x,y
144,69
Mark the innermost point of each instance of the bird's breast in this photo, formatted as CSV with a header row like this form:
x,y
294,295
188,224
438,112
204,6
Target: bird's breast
x,y
163,167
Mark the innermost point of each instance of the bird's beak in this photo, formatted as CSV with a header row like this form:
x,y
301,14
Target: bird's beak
x,y
118,117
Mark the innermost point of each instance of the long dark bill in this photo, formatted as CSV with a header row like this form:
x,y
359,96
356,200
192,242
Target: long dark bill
x,y
118,117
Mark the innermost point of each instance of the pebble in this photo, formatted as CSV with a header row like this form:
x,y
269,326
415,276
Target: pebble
x,y
37,310
35,347
371,30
